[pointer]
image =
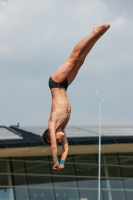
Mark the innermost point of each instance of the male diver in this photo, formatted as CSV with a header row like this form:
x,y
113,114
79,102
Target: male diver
x,y
58,83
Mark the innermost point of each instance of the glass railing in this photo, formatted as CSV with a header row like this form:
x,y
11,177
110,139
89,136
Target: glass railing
x,y
64,193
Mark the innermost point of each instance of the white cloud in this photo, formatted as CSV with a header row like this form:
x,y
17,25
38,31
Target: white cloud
x,y
119,21
28,27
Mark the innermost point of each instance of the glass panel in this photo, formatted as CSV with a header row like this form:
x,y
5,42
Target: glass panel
x,y
126,159
114,195
87,182
4,180
110,171
89,194
129,195
106,169
41,168
84,166
37,166
20,180
21,193
3,166
64,182
6,193
90,159
18,166
43,181
116,184
37,158
127,172
128,183
41,194
65,194
86,170
111,159
112,183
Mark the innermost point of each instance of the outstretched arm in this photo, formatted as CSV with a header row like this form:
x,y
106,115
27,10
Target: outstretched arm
x,y
53,145
65,149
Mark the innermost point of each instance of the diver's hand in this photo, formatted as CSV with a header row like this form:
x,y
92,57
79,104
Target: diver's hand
x,y
61,166
58,167
55,167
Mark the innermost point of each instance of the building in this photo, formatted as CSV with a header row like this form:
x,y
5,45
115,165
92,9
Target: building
x,y
26,164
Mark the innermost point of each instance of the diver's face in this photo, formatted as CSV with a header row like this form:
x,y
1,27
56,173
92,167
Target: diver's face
x,y
59,136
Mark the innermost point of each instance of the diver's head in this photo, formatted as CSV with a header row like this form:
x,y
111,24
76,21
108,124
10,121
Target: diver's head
x,y
46,136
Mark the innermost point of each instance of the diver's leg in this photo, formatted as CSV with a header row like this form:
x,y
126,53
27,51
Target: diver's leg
x,y
78,55
81,59
71,76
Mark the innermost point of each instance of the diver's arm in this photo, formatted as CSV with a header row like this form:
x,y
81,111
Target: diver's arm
x,y
53,145
65,149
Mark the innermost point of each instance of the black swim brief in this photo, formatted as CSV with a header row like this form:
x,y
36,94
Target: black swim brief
x,y
53,84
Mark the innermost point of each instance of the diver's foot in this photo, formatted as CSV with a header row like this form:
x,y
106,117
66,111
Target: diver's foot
x,y
100,30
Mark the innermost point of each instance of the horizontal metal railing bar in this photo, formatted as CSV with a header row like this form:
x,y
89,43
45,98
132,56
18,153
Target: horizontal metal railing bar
x,y
68,188
69,163
67,176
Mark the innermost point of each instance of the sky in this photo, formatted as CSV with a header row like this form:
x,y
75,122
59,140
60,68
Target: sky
x,y
36,37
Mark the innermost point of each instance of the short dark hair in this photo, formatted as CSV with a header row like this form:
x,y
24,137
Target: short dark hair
x,y
46,137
